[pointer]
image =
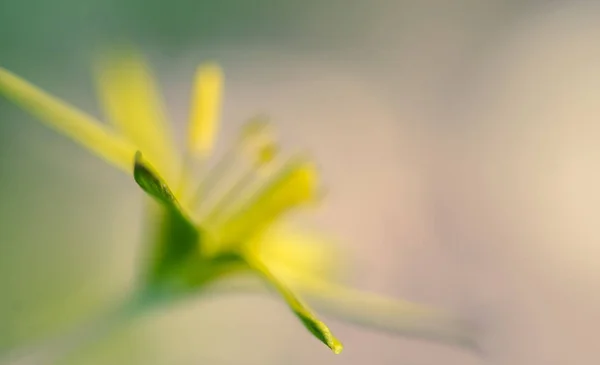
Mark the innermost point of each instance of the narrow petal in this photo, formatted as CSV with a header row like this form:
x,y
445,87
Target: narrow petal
x,y
301,310
133,104
402,318
397,317
69,121
205,109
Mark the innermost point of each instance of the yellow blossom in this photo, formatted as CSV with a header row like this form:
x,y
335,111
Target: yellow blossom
x,y
206,234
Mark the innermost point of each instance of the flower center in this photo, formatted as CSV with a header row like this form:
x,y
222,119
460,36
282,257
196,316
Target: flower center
x,y
237,206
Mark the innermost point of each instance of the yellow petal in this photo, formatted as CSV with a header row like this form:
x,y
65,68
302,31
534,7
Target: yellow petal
x,y
294,185
132,102
300,309
205,109
296,254
69,121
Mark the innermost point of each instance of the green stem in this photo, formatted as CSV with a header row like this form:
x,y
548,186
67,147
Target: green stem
x,y
59,348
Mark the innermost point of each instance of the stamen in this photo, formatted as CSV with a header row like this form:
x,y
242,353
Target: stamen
x,y
255,135
266,154
255,140
229,198
265,157
294,185
254,127
213,176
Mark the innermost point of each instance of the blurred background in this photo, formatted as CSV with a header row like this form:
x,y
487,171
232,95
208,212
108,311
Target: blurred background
x,y
459,141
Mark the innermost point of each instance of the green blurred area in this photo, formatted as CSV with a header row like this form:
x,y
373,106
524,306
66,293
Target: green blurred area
x,y
36,31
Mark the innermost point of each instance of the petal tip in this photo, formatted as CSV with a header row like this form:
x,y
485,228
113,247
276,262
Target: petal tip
x,y
336,346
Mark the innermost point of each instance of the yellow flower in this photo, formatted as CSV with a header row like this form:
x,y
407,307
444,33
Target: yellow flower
x,y
198,243
216,221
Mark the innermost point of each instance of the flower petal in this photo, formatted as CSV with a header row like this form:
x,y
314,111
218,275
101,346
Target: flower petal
x,y
301,310
133,104
205,109
296,254
395,316
69,121
410,320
